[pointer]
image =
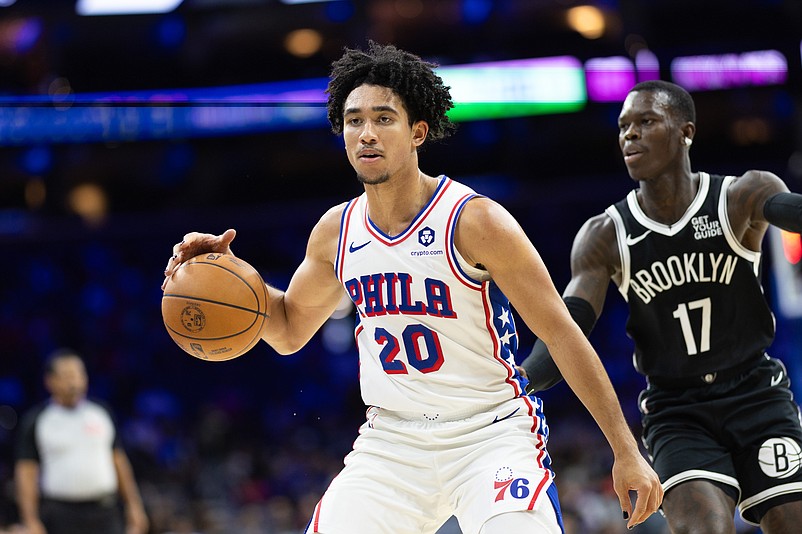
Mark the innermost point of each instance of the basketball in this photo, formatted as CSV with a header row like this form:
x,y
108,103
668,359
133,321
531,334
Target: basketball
x,y
215,307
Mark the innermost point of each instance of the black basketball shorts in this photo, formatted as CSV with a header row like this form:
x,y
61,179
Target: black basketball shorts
x,y
744,433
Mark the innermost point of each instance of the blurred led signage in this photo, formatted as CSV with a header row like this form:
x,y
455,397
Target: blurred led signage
x,y
725,71
515,88
124,7
609,78
480,91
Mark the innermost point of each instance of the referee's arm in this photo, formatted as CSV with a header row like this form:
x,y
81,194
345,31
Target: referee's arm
x,y
135,517
26,476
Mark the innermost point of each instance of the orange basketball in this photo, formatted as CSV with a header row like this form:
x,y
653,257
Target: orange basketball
x,y
215,307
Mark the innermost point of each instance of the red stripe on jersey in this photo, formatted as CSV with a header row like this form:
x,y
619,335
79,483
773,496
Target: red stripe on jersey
x,y
316,516
344,238
497,349
539,488
494,337
541,445
489,319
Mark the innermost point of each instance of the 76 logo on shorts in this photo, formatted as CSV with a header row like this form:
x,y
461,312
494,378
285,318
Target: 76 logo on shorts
x,y
505,481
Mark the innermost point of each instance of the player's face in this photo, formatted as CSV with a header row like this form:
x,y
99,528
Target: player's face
x,y
68,382
378,137
647,136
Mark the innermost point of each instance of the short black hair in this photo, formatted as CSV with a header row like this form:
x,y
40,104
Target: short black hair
x,y
680,100
422,92
49,366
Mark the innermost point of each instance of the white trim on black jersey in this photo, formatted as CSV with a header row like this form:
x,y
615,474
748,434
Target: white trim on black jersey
x,y
735,245
623,250
670,229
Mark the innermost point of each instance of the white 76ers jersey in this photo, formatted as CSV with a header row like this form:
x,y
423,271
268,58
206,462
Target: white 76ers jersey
x,y
434,334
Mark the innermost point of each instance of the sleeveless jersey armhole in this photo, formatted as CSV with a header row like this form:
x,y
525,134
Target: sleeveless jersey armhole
x,y
726,227
623,250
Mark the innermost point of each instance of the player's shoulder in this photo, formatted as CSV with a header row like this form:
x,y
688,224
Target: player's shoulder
x,y
326,233
752,188
334,214
484,213
599,226
755,179
597,238
329,222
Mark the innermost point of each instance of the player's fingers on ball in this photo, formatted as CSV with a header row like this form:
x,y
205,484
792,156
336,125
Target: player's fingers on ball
x,y
168,269
228,236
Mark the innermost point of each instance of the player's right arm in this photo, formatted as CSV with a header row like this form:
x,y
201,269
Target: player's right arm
x,y
313,292
595,260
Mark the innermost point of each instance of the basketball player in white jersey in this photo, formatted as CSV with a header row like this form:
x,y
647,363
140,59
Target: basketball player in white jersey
x,y
427,263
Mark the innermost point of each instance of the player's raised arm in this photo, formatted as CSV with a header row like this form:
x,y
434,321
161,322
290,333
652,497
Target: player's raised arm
x,y
488,235
759,197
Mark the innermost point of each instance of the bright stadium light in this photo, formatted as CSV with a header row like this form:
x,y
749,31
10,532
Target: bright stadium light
x,y
124,7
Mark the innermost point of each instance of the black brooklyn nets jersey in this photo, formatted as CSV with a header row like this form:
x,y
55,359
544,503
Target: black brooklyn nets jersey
x,y
696,305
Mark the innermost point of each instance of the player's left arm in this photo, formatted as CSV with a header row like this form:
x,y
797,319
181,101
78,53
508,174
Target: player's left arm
x,y
489,236
758,198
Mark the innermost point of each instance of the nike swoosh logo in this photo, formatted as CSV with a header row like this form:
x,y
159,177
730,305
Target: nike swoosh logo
x,y
496,419
776,380
353,249
634,240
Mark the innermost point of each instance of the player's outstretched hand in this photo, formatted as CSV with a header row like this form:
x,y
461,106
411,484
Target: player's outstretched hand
x,y
195,243
635,474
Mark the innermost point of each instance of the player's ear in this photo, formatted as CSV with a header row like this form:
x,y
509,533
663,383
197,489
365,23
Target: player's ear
x,y
688,130
419,132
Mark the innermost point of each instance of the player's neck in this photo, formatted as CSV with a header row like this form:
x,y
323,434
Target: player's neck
x,y
666,199
394,204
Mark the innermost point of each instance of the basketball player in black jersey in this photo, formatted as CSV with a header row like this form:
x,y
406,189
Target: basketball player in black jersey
x,y
719,419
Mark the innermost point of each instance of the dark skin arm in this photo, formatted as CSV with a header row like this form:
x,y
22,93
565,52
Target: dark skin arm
x,y
745,200
595,260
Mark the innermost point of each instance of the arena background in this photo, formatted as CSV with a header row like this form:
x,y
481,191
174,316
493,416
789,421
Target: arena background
x,y
104,166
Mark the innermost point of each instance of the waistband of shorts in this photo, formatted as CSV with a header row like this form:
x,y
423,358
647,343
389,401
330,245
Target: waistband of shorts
x,y
438,417
707,379
104,501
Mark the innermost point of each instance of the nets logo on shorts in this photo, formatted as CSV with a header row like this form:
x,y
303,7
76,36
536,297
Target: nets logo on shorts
x,y
506,483
426,236
779,457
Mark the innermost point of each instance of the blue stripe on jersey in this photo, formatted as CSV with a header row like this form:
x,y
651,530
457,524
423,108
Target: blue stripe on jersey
x,y
452,248
504,324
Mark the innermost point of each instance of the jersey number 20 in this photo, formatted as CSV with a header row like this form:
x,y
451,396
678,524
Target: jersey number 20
x,y
421,345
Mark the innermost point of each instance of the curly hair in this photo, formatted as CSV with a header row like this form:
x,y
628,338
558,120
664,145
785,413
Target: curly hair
x,y
422,92
680,100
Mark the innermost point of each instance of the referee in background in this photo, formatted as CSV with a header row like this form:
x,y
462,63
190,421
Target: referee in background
x,y
71,471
